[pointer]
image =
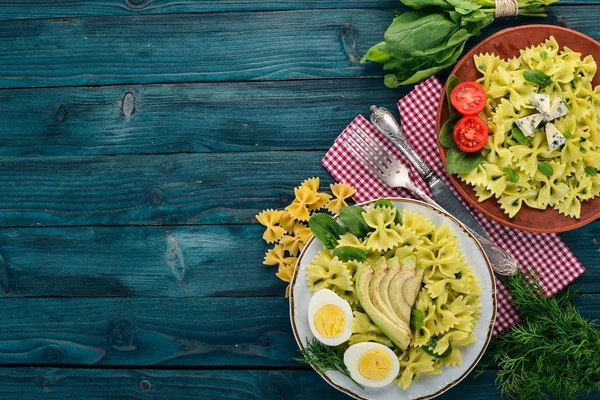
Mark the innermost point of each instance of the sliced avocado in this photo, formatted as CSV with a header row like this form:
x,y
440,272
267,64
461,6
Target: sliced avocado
x,y
384,286
399,304
398,335
412,286
376,297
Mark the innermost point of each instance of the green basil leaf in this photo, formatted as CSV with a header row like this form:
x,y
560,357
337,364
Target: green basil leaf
x,y
387,203
567,134
352,218
518,136
416,319
545,168
446,136
538,77
326,229
347,253
460,162
591,171
511,175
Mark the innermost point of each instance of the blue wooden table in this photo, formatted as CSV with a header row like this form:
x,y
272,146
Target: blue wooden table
x,y
138,139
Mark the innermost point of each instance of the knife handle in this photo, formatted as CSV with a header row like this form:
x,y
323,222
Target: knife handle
x,y
385,122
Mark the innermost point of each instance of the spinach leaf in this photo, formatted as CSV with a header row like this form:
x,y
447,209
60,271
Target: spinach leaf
x,y
418,30
352,218
460,162
326,229
379,53
416,319
545,168
511,175
591,171
387,203
347,253
446,133
538,77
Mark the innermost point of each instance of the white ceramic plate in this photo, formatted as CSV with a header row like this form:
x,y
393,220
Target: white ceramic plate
x,y
426,386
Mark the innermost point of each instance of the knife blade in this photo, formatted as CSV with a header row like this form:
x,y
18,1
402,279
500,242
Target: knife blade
x,y
445,198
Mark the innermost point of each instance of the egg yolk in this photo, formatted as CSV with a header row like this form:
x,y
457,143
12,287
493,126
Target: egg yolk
x,y
330,321
375,365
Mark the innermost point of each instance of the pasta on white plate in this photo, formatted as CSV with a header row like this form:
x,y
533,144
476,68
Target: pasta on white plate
x,y
552,163
445,303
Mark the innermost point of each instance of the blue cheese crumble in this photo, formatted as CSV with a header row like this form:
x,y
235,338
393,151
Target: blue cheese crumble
x,y
558,109
541,102
554,137
528,124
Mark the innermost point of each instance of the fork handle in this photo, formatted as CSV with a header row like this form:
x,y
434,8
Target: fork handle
x,y
385,122
503,263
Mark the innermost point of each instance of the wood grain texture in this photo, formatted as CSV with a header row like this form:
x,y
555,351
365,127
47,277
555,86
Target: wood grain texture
x,y
210,47
175,332
137,262
187,118
167,262
156,190
11,9
185,331
62,383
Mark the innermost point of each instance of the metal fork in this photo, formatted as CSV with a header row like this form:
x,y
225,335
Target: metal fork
x,y
394,174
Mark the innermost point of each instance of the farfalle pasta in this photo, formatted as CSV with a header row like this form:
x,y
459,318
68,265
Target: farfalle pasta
x,y
269,219
553,166
446,295
287,228
341,192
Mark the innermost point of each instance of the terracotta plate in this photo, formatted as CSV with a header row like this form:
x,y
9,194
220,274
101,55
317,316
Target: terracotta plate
x,y
507,44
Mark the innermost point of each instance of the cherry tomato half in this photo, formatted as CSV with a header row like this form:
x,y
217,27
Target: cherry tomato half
x,y
470,133
468,98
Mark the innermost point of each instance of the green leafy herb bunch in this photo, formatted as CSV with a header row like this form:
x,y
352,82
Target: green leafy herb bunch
x,y
554,352
432,36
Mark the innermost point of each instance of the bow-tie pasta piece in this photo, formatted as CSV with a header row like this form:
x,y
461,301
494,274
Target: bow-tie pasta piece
x,y
383,238
323,198
287,222
341,192
276,256
299,207
269,219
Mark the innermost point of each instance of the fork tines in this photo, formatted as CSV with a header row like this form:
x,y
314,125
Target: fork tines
x,y
373,155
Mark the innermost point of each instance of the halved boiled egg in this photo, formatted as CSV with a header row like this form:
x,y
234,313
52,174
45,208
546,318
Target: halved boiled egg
x,y
371,364
330,317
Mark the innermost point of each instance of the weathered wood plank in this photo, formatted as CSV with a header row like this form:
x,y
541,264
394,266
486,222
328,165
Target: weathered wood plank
x,y
99,384
175,332
165,262
11,9
157,189
137,262
585,244
257,116
185,331
210,47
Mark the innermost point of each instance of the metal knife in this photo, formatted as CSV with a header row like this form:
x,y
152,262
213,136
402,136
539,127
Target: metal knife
x,y
504,264
387,124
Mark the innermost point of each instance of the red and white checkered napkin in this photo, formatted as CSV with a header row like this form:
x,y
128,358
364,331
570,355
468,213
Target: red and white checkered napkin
x,y
547,254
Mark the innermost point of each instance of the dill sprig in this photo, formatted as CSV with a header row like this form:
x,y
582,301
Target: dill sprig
x,y
552,352
324,358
